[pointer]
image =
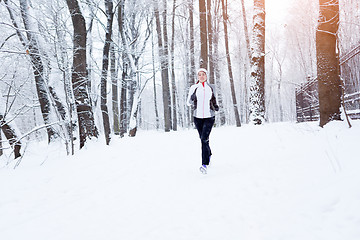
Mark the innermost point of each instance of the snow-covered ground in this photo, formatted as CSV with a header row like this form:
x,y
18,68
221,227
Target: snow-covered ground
x,y
278,181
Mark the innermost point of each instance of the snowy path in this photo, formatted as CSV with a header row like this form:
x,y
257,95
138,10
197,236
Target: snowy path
x,y
259,187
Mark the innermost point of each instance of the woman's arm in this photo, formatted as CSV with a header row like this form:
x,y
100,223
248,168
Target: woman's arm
x,y
190,98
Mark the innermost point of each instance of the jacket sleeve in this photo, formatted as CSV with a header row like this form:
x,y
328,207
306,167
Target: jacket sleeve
x,y
213,104
189,100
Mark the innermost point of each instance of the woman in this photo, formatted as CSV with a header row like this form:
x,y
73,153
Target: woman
x,y
202,98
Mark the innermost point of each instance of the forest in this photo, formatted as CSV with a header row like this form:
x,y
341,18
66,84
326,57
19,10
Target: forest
x,y
75,70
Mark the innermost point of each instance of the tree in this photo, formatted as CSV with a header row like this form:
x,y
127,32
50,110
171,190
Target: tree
x,y
164,71
328,62
87,128
172,68
216,60
203,35
210,35
105,66
231,78
32,49
257,83
192,76
248,48
115,91
134,28
10,134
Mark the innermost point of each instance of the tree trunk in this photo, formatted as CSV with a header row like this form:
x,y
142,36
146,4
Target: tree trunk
x,y
11,136
164,72
173,83
87,128
246,31
154,83
231,79
105,67
247,38
115,91
217,73
193,78
203,35
133,114
167,56
123,103
327,62
210,35
257,83
37,65
124,85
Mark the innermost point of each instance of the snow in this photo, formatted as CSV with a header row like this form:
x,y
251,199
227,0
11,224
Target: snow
x,y
275,181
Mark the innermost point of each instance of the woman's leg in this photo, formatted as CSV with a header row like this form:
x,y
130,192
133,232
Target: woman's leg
x,y
199,123
204,126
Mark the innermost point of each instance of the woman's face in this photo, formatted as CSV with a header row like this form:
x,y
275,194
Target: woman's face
x,y
202,76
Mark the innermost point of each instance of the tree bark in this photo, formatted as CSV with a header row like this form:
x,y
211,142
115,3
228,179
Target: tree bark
x,y
164,72
172,68
115,91
203,35
105,67
167,57
231,78
124,85
154,84
329,84
257,83
210,35
217,70
246,31
33,50
87,128
10,134
192,79
123,103
247,39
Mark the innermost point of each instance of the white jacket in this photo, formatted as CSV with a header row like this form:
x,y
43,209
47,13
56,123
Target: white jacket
x,y
203,97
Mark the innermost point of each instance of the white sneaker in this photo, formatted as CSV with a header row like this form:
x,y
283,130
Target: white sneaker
x,y
203,169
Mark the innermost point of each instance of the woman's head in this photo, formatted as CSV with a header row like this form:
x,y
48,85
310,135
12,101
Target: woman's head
x,y
202,75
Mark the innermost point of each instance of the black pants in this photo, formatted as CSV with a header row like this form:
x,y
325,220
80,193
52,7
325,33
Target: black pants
x,y
204,126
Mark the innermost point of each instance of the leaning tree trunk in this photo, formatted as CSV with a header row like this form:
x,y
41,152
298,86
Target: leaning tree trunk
x,y
231,78
203,35
37,64
257,80
329,84
10,134
164,72
87,128
105,67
